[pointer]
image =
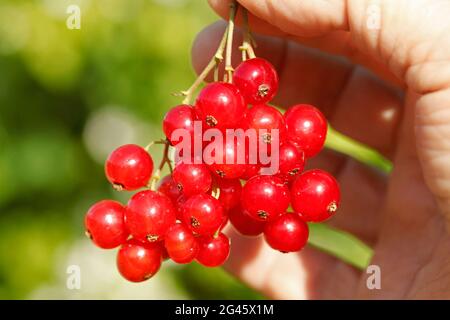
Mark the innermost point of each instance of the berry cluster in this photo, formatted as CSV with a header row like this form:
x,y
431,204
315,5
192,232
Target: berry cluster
x,y
182,217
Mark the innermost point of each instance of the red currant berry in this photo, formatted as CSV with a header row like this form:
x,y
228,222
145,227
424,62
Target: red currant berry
x,y
265,197
105,225
164,253
251,171
203,214
129,167
149,215
181,244
264,119
168,187
315,195
224,222
192,179
179,207
292,161
257,80
179,117
226,162
139,261
230,192
307,128
245,224
220,105
286,233
214,251
191,150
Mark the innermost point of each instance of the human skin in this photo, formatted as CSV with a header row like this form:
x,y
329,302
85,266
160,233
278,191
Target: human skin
x,y
387,87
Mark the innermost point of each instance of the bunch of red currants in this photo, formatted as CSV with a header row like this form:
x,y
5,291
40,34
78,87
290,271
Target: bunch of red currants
x,y
183,216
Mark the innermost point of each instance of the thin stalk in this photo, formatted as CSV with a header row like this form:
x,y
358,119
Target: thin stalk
x,y
229,49
151,144
214,62
165,160
218,57
247,48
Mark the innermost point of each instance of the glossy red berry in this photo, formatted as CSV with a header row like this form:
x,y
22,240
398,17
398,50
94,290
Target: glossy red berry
x,y
181,245
129,167
230,192
245,224
164,253
251,171
203,214
265,197
257,79
291,161
168,187
224,222
214,251
307,128
286,233
228,159
315,195
265,120
179,117
192,179
139,261
220,105
149,215
105,225
179,207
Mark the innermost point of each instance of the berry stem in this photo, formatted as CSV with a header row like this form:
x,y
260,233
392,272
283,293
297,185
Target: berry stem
x,y
215,193
247,48
214,62
229,49
165,159
151,144
218,57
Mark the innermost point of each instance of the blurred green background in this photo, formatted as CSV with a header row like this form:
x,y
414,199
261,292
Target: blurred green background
x,y
67,98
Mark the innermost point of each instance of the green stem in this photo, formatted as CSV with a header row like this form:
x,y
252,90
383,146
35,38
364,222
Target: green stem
x,y
354,149
165,160
339,244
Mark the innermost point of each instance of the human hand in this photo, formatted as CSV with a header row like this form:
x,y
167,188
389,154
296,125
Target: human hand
x,y
401,107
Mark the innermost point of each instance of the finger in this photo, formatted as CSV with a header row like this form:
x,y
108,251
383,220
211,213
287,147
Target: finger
x,y
432,128
320,33
356,103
